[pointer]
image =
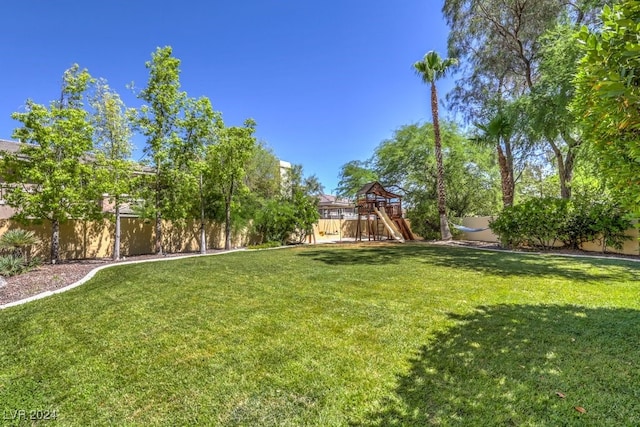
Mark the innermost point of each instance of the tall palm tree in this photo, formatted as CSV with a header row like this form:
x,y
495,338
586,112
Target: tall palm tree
x,y
431,69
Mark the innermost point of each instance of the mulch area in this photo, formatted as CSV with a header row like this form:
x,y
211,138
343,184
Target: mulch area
x,y
50,277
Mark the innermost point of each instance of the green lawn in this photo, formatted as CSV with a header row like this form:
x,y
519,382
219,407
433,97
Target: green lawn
x,y
333,335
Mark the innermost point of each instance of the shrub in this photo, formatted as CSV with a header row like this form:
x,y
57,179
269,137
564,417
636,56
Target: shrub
x,y
17,241
611,225
543,221
536,222
11,265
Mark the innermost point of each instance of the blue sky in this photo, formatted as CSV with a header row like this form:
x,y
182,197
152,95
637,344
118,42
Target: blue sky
x,y
325,81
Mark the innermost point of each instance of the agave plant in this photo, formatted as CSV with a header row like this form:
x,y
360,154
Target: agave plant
x,y
17,241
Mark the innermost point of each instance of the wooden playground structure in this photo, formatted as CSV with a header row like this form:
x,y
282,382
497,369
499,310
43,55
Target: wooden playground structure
x,y
380,215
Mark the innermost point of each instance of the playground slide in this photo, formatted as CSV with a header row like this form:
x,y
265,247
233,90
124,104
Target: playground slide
x,y
405,229
390,225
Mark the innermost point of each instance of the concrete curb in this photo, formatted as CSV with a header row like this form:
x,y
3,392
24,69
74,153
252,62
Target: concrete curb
x,y
102,267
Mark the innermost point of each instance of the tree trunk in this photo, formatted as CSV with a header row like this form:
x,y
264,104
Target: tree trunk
x,y
565,163
116,237
506,178
55,241
158,214
227,224
158,233
203,234
445,232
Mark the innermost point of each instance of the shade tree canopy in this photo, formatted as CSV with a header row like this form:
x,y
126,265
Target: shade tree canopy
x,y
51,177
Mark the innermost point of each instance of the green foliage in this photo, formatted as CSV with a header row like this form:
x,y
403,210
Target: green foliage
x,y
522,51
608,94
536,222
498,132
291,216
50,175
112,151
407,160
353,176
433,67
542,222
227,161
18,241
55,140
159,120
611,226
11,265
276,221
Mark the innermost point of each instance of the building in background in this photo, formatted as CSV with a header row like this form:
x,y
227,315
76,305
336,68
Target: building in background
x,y
333,207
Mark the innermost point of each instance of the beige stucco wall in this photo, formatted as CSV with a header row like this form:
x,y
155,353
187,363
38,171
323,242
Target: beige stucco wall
x,y
479,222
335,229
94,239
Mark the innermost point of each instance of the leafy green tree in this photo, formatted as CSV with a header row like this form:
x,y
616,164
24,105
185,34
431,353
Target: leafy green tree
x,y
431,69
112,151
353,176
202,126
228,160
547,106
263,173
305,195
608,95
158,121
406,161
516,48
294,212
51,177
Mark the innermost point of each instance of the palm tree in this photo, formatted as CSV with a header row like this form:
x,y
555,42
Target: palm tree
x,y
498,131
430,69
18,241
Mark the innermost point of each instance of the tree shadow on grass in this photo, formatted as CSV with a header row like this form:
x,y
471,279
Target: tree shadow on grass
x,y
504,263
523,365
491,262
367,254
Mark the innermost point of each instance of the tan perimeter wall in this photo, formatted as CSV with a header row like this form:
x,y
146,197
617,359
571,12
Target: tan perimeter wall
x,y
631,246
335,229
94,239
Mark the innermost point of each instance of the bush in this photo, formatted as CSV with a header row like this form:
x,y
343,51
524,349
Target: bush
x,y
536,222
11,266
611,224
17,241
542,222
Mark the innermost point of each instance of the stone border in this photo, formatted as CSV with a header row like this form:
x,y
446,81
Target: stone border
x,y
102,267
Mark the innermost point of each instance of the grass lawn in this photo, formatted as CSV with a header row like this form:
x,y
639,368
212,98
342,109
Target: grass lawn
x,y
332,335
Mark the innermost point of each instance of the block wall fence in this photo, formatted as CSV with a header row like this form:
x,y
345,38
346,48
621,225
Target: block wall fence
x,y
333,229
94,239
